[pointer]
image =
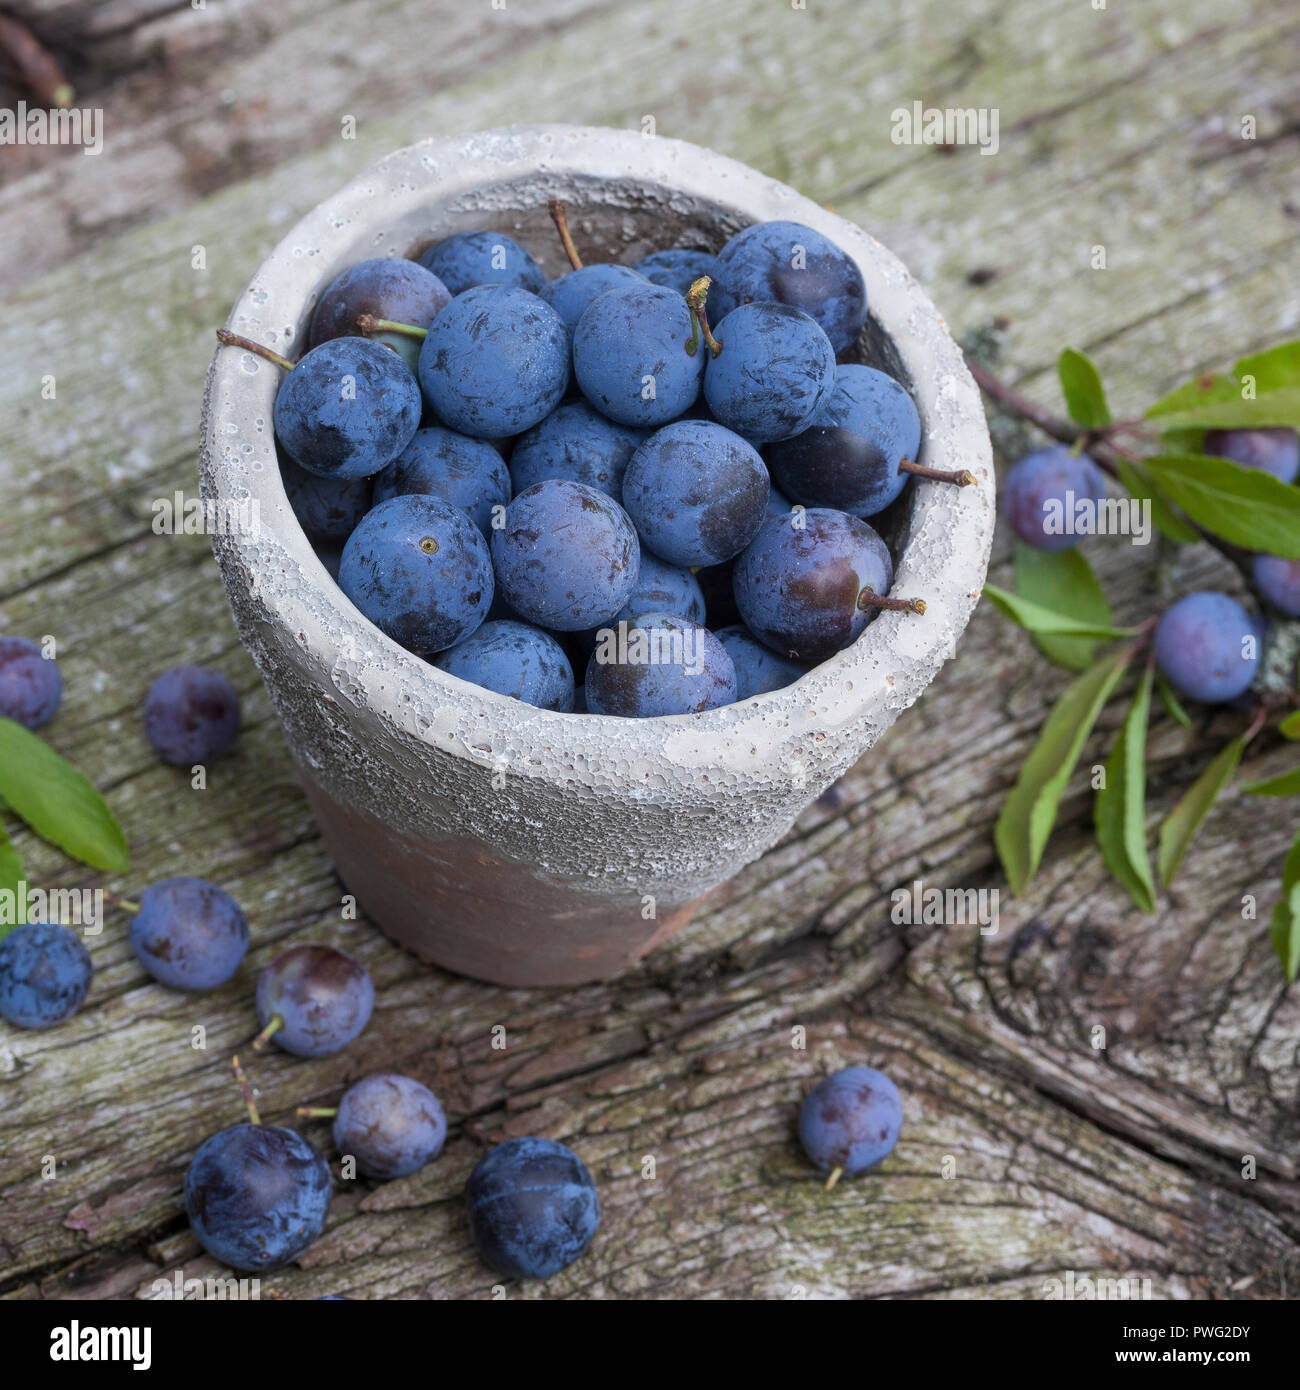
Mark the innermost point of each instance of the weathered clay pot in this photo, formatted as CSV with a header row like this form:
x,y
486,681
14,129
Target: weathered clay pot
x,y
504,842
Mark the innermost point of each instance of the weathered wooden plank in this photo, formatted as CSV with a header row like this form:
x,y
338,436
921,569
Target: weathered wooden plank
x,y
1122,1160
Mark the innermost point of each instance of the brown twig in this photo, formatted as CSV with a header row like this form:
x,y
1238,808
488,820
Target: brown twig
x,y
561,219
34,65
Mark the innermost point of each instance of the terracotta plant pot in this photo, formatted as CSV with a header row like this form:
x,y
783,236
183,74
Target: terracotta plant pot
x,y
513,844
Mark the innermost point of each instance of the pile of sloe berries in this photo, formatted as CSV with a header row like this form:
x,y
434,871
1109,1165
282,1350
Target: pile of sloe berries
x,y
1207,645
519,479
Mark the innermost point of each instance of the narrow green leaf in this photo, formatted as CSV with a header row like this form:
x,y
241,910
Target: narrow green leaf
x,y
1284,932
1290,726
1085,397
1162,518
1062,581
1246,506
1284,784
1173,705
1027,817
1273,369
1042,621
11,874
1120,812
57,801
1182,823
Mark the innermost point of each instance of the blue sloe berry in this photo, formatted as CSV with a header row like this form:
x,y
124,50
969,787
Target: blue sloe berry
x,y
664,588
678,269
31,686
347,409
1207,647
1278,581
327,508
1275,450
804,589
660,664
189,933
774,371
385,287
789,263
630,355
567,557
1041,492
848,458
256,1196
45,972
532,1207
454,468
313,1000
577,443
696,493
513,659
570,294
496,362
758,669
851,1120
420,571
191,715
391,1125
482,258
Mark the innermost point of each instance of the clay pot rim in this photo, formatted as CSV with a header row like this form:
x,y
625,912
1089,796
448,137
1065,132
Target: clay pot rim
x,y
949,534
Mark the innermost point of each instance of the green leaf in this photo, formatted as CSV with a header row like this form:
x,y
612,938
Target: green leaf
x,y
1165,521
1284,930
1222,401
1246,506
1062,581
1120,812
1183,822
11,874
1033,617
1290,726
1172,703
1085,397
1284,784
57,801
1029,813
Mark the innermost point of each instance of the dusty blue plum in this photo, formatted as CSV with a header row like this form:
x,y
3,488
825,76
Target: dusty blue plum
x,y
1042,491
313,1001
660,664
31,686
788,263
45,972
496,362
347,409
570,294
257,1196
804,589
758,669
189,934
664,588
454,468
514,659
678,269
327,508
775,370
778,504
577,443
1278,581
696,493
1275,450
532,1207
849,457
385,287
1207,647
851,1121
482,258
391,1125
419,569
631,357
567,558
191,715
